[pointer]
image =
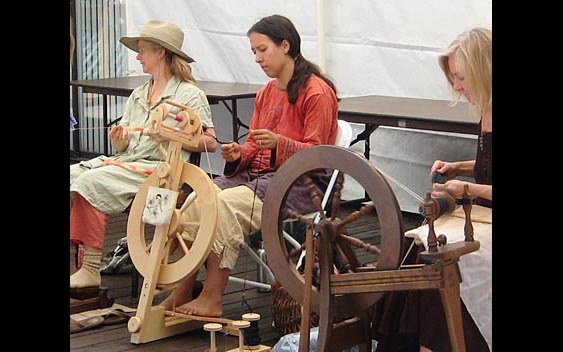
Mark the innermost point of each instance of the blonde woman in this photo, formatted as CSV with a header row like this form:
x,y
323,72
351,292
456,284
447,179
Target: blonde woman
x,y
98,188
467,64
415,321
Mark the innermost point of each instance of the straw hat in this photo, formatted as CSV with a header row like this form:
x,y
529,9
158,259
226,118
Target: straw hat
x,y
163,33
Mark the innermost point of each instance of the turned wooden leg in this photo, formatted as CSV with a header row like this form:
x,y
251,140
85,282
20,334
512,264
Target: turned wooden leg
x,y
212,328
452,306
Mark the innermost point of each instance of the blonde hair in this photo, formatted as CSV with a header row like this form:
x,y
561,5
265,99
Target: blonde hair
x,y
180,67
473,53
177,65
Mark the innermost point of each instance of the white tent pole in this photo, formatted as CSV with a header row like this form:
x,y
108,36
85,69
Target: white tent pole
x,y
321,34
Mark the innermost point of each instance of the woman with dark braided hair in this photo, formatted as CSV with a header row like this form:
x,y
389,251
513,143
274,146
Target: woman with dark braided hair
x,y
297,109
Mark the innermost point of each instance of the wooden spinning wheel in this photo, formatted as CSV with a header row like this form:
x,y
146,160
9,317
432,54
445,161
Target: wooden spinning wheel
x,y
344,300
384,202
173,269
155,258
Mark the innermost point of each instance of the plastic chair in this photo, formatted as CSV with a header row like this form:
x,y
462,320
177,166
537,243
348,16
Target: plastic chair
x,y
265,275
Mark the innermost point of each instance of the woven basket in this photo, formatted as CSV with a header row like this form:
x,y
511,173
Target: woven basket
x,y
286,311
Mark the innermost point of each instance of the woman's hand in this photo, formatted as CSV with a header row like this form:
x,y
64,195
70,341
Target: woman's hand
x,y
119,138
454,188
265,139
445,168
230,151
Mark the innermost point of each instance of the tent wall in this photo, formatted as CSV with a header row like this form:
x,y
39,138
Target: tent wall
x,y
384,47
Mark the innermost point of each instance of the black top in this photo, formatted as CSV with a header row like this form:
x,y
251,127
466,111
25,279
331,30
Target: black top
x,y
483,170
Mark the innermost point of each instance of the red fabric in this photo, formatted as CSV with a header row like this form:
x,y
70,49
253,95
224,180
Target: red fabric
x,y
312,120
79,256
87,224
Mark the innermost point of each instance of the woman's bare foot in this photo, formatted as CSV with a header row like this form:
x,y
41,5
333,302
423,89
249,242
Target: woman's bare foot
x,y
181,295
173,301
206,305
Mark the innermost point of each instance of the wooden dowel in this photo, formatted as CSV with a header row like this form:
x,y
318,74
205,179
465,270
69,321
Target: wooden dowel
x,y
306,308
361,244
178,105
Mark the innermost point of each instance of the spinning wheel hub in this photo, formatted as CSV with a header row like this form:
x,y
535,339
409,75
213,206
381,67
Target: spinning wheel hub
x,y
328,228
175,224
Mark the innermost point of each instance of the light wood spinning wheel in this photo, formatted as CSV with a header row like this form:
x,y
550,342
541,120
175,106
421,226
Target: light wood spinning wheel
x,y
172,269
155,258
354,166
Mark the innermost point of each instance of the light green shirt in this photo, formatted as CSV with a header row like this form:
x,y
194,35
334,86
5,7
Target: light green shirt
x,y
111,188
137,113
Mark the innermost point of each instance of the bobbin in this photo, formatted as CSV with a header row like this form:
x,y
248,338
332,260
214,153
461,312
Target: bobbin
x,y
212,328
251,334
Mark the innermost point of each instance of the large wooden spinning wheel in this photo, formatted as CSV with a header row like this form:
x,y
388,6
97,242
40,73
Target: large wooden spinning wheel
x,y
352,167
173,267
168,257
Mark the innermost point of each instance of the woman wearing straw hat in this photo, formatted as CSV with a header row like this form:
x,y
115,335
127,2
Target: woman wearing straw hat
x,y
98,189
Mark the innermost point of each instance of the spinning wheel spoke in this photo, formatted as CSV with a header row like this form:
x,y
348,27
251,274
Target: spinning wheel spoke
x,y
364,210
187,204
190,223
315,199
167,251
182,242
360,244
337,194
302,218
148,248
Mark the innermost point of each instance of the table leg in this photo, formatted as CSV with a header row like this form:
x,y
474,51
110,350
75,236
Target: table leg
x,y
362,136
235,121
106,123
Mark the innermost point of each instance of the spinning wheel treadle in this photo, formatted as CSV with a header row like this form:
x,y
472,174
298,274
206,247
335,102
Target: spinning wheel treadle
x,y
385,204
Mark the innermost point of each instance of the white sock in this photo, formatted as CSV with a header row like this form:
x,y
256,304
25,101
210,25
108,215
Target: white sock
x,y
89,273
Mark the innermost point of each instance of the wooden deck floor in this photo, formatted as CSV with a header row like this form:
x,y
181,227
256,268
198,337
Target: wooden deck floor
x,y
117,337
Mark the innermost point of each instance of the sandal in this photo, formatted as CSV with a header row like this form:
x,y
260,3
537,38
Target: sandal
x,y
116,316
85,324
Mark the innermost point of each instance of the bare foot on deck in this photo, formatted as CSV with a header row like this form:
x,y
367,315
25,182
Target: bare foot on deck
x,y
175,301
182,294
204,306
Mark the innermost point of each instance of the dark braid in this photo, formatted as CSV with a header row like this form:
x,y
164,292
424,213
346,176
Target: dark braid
x,y
278,28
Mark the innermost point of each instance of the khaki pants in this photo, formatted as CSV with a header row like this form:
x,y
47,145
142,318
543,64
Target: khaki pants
x,y
240,214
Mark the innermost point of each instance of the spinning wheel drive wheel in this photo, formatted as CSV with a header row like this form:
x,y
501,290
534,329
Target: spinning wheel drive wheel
x,y
174,268
355,168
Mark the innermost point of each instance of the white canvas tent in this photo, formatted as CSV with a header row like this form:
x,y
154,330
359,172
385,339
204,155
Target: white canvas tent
x,y
380,47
